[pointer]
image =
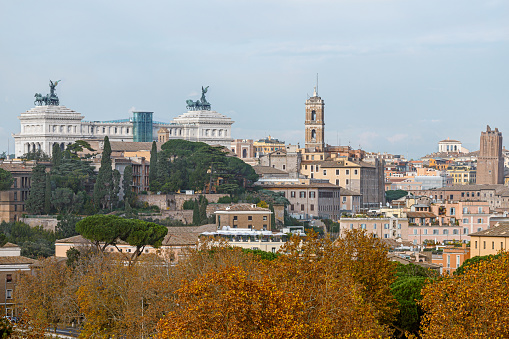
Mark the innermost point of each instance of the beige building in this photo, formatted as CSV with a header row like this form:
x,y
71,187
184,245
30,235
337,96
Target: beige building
x,y
462,175
244,216
283,160
359,176
490,241
11,266
12,202
267,145
350,201
310,199
383,228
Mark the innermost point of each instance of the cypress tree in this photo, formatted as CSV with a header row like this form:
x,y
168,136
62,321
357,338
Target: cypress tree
x,y
47,195
272,217
203,209
116,189
196,214
56,155
35,200
127,182
152,175
104,184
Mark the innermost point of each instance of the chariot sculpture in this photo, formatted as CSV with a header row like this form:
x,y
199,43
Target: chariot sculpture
x,y
199,105
49,99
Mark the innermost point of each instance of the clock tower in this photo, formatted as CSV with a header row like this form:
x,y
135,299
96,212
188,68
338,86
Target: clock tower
x,y
315,125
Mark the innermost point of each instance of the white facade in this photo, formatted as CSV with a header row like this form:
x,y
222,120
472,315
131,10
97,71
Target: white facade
x,y
43,126
209,127
451,146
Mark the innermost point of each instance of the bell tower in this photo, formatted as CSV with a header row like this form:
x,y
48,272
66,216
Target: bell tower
x,y
315,125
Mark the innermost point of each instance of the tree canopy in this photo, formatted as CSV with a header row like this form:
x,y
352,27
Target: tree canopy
x,y
6,180
108,230
186,165
474,304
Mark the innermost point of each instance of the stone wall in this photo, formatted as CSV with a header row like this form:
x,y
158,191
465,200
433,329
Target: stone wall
x,y
48,224
175,202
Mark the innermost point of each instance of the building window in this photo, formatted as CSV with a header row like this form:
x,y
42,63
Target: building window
x,y
337,182
337,172
501,245
476,244
454,231
324,172
484,244
312,194
291,207
425,231
292,194
448,261
302,207
312,207
8,278
249,217
15,196
355,172
492,245
8,294
435,231
264,218
465,230
265,227
347,181
347,172
273,250
302,194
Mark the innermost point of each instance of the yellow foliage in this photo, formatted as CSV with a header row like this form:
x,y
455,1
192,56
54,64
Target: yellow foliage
x,y
471,305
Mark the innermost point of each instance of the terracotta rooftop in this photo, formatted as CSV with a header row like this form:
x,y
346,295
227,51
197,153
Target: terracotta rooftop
x,y
420,215
16,167
347,192
267,170
19,260
502,230
9,244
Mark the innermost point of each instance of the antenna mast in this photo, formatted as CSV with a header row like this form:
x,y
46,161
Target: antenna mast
x,y
317,84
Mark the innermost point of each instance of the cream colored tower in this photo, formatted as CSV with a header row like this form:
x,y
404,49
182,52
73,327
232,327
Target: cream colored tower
x,y
315,125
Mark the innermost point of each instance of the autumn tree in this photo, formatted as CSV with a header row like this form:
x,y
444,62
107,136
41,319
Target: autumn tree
x,y
474,304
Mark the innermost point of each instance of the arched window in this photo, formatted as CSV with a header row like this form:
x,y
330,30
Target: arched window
x,y
313,115
313,134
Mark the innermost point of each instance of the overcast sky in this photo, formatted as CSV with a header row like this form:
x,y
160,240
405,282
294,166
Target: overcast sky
x,y
396,76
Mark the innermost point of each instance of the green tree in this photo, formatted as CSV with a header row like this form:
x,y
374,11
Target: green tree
x,y
395,194
66,226
35,200
6,180
203,209
47,195
152,175
78,146
37,155
116,189
196,214
104,184
62,199
108,230
56,155
127,183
